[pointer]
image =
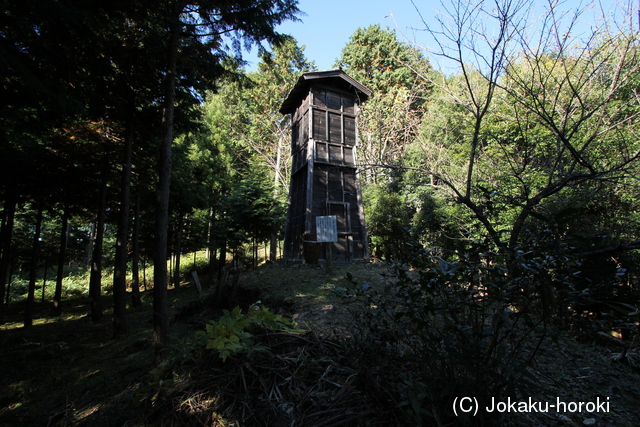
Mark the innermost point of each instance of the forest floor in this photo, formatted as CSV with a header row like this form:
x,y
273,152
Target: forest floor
x,y
68,371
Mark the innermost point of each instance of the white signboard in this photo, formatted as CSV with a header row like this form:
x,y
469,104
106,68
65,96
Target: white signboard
x,y
327,228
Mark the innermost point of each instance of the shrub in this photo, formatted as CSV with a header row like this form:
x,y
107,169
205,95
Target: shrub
x,y
234,332
465,325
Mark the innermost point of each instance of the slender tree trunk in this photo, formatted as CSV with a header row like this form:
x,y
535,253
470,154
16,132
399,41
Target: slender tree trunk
x,y
62,255
44,280
89,246
144,272
210,232
11,270
95,281
6,232
273,256
171,264
120,262
160,309
135,272
221,262
254,252
212,266
28,312
176,269
210,244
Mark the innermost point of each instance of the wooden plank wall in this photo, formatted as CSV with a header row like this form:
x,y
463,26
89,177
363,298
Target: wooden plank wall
x,y
324,176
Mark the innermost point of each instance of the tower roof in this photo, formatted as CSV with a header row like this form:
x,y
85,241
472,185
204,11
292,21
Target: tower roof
x,y
336,78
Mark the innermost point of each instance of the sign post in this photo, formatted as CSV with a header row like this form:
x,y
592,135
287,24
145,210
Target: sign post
x,y
327,233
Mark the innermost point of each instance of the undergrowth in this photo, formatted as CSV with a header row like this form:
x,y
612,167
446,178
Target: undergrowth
x,y
260,369
426,333
434,330
439,329
457,324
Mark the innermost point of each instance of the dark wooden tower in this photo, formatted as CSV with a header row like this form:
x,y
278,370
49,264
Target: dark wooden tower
x,y
324,176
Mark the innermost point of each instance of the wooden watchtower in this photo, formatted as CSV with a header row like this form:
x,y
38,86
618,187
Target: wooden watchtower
x,y
324,178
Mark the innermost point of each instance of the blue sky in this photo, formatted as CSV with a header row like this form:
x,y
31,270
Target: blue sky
x,y
328,24
326,28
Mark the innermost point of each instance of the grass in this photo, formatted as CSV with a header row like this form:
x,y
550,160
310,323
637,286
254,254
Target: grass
x,y
68,369
75,282
307,292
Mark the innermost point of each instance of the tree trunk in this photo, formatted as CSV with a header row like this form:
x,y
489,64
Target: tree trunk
x,y
62,255
212,266
28,312
135,271
160,310
11,270
254,253
210,233
120,262
6,233
95,281
144,272
221,262
176,269
44,279
210,245
171,264
273,256
273,250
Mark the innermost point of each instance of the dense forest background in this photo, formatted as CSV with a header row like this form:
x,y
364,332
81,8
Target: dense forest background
x,y
503,189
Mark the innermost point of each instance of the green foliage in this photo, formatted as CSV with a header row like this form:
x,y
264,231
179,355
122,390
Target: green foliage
x,y
376,58
228,336
407,212
465,322
390,118
388,222
256,135
75,283
234,332
251,212
519,140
